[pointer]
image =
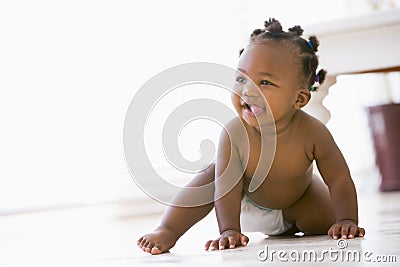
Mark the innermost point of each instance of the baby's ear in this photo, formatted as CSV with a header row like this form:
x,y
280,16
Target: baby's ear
x,y
303,96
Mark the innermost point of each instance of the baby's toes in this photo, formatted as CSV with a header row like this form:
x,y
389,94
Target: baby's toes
x,y
155,250
140,242
144,245
148,247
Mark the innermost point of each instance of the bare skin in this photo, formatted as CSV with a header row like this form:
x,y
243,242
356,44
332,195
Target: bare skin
x,y
313,205
176,220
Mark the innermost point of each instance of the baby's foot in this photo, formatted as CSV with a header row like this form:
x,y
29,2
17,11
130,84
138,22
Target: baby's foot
x,y
161,240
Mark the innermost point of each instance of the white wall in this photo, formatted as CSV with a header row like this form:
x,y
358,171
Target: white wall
x,y
69,69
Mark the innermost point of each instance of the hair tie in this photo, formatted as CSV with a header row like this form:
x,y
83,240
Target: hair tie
x,y
316,78
310,44
275,34
316,83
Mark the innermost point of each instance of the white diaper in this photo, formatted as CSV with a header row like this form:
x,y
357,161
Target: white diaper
x,y
255,218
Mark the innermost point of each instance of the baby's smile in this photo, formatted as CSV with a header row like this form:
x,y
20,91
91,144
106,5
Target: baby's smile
x,y
254,110
251,108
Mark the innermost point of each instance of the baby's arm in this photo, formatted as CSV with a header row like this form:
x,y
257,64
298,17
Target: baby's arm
x,y
336,175
228,194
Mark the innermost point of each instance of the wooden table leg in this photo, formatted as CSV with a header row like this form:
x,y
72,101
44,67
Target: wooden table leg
x,y
316,107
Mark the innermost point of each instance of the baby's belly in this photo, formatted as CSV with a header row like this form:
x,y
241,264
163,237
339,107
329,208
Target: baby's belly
x,y
277,192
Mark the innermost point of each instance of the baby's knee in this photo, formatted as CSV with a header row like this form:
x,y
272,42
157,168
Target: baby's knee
x,y
315,225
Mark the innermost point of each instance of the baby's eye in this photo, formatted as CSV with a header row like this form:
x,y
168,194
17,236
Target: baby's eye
x,y
240,79
265,82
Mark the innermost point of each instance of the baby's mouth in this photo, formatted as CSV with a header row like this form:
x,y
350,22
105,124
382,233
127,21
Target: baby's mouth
x,y
253,108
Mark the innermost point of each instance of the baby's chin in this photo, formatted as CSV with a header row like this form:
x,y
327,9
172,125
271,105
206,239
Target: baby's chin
x,y
255,121
261,121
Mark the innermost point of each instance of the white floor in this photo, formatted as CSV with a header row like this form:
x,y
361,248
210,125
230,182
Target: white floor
x,y
105,235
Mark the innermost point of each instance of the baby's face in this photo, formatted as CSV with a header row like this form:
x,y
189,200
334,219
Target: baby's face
x,y
265,72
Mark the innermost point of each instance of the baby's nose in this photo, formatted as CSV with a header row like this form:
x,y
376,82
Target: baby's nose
x,y
248,98
250,90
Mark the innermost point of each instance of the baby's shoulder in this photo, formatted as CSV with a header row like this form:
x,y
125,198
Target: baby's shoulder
x,y
234,123
309,122
235,129
312,127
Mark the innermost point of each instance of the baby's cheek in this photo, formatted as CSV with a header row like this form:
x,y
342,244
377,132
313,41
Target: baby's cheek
x,y
235,99
237,89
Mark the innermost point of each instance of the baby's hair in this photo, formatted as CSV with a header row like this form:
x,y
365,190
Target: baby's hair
x,y
306,50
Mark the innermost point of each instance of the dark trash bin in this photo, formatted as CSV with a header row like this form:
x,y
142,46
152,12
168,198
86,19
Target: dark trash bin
x,y
384,121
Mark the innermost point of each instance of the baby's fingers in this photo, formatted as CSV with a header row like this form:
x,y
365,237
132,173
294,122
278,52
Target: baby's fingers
x,y
212,245
354,231
232,241
345,230
244,240
334,231
361,231
224,242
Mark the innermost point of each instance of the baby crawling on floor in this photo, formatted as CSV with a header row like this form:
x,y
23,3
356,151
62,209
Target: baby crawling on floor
x,y
263,173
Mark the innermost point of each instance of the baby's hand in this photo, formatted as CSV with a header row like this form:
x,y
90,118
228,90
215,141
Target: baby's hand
x,y
346,229
228,239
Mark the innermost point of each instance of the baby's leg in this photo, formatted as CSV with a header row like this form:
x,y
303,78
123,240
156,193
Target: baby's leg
x,y
177,220
313,213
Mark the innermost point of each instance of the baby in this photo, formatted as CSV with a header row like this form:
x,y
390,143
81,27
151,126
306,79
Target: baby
x,y
278,68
